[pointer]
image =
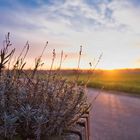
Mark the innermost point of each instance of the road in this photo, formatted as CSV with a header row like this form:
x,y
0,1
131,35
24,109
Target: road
x,y
114,116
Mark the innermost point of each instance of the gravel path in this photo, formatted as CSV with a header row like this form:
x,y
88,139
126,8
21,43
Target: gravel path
x,y
114,117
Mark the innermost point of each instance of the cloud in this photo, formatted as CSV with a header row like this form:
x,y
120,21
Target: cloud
x,y
71,16
126,14
108,26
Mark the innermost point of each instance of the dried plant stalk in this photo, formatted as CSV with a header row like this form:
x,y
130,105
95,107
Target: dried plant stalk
x,y
35,107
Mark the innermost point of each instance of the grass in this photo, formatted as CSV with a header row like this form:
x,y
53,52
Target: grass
x,y
111,80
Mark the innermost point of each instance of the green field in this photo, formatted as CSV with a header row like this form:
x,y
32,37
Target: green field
x,y
111,80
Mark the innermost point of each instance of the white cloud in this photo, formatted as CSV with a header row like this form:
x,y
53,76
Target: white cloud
x,y
76,23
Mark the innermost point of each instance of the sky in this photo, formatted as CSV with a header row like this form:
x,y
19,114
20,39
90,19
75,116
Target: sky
x,y
108,27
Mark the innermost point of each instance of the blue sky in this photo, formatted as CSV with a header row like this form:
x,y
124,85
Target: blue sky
x,y
110,27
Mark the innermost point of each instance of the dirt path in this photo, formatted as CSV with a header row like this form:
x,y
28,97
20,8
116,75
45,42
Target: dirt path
x,y
114,117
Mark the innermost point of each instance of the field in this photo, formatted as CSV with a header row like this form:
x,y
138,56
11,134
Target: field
x,y
118,80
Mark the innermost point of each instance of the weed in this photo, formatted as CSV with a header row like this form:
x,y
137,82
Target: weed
x,y
34,107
